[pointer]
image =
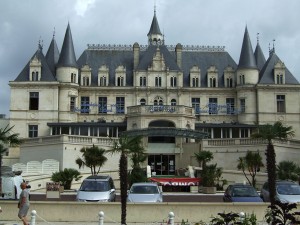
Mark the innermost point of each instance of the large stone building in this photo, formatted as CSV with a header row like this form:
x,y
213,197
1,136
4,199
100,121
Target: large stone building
x,y
180,98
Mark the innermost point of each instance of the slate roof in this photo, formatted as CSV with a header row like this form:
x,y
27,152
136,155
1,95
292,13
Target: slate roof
x,y
114,58
266,75
154,29
46,71
247,60
67,56
259,57
52,56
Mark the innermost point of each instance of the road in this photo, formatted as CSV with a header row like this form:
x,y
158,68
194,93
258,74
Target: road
x,y
168,197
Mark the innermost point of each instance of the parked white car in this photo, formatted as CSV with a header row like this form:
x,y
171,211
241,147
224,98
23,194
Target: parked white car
x,y
286,192
145,192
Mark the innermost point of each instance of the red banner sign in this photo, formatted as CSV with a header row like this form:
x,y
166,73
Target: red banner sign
x,y
180,181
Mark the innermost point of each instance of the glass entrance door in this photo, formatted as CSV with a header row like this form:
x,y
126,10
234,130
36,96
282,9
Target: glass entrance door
x,y
162,164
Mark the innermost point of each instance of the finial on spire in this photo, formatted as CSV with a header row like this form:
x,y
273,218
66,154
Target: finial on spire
x,y
273,45
40,44
54,33
257,36
154,7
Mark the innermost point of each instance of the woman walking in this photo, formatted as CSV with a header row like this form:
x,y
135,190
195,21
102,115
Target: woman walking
x,y
23,204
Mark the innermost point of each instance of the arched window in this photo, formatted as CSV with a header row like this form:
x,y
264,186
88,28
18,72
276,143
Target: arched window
x,y
35,76
173,102
142,101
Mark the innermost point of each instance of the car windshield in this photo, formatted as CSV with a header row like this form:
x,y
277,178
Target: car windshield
x,y
144,190
89,185
244,192
288,189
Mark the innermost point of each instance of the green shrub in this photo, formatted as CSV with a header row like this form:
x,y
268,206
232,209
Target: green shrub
x,y
66,177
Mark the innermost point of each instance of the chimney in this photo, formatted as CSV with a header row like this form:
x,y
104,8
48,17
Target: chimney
x,y
178,51
136,55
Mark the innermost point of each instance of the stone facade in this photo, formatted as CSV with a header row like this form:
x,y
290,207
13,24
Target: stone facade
x,y
116,88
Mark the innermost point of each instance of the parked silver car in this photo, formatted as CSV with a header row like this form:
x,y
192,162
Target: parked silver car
x,y
286,192
145,192
97,189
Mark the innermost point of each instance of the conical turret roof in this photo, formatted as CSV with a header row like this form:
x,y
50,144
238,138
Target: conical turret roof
x,y
259,57
154,29
247,59
67,56
52,55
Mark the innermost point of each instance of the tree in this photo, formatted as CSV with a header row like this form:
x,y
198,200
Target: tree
x,y
288,170
93,157
7,138
270,132
137,173
66,177
125,146
252,163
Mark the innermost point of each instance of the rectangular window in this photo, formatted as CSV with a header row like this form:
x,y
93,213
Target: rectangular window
x,y
242,105
102,105
33,101
120,105
85,105
72,104
196,105
230,106
32,131
280,103
244,133
157,81
213,106
143,81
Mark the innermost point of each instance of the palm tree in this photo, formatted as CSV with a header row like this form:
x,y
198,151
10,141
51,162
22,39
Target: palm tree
x,y
270,132
288,170
93,157
7,138
125,146
252,162
203,157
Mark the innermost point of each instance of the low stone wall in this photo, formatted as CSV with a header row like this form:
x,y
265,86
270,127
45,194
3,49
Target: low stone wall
x,y
55,211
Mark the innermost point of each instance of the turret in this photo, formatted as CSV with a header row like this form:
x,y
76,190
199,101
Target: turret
x,y
67,68
155,37
247,72
52,55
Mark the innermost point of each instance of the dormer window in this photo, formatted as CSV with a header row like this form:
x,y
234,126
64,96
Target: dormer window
x,y
143,81
120,76
120,81
173,81
158,81
85,81
102,81
103,76
195,82
35,69
212,82
229,77
279,79
279,73
212,75
34,76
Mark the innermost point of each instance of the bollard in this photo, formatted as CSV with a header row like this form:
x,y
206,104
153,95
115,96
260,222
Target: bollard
x,y
33,214
242,216
171,218
101,217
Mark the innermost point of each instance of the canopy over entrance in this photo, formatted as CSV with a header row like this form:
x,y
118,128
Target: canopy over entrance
x,y
167,132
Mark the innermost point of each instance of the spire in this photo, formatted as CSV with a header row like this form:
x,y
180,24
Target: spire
x,y
154,35
67,56
52,55
259,56
247,59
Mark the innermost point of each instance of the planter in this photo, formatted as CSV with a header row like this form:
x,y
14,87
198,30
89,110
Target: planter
x,y
194,189
209,190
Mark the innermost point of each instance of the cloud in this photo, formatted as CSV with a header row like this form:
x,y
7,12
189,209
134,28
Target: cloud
x,y
82,6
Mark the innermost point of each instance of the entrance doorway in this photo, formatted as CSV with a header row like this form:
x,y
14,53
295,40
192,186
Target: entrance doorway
x,y
162,164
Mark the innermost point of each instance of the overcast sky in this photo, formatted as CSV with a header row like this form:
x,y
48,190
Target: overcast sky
x,y
189,22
